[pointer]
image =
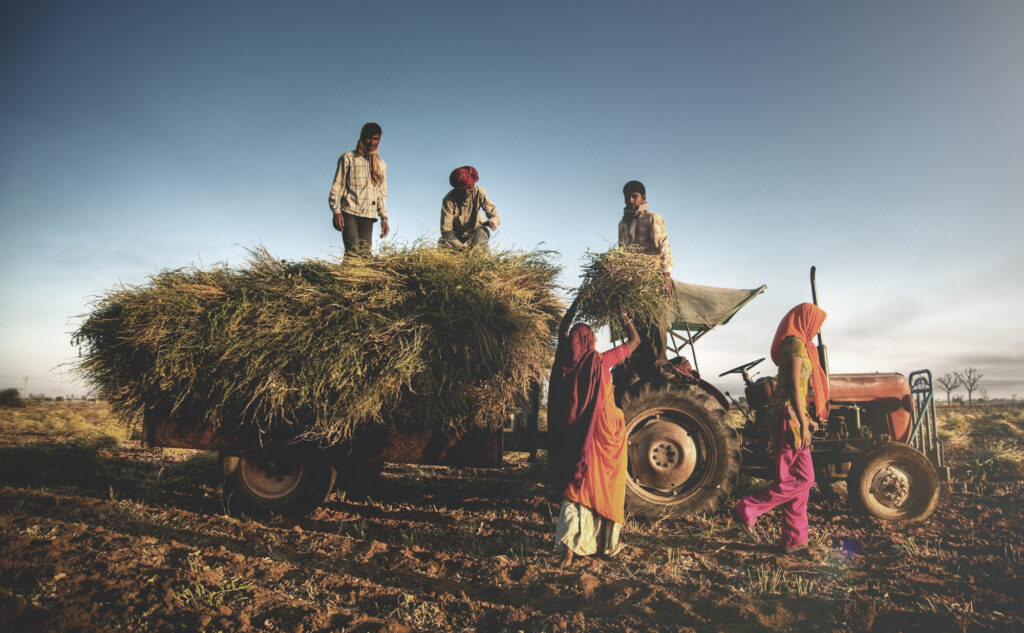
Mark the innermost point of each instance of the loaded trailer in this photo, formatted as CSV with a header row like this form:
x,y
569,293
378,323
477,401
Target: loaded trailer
x,y
684,454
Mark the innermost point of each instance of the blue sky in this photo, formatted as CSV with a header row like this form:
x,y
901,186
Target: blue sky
x,y
882,142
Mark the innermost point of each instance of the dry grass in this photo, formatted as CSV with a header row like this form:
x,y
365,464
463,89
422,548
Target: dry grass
x,y
617,281
984,442
316,349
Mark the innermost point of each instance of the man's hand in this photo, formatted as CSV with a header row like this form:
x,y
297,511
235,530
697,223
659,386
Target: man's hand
x,y
492,225
384,228
339,222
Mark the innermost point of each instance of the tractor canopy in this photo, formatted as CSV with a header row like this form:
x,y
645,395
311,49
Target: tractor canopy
x,y
701,308
696,310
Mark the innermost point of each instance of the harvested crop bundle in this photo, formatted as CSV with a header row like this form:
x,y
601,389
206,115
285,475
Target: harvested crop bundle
x,y
314,349
621,280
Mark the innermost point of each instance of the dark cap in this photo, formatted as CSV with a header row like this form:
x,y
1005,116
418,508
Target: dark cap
x,y
634,186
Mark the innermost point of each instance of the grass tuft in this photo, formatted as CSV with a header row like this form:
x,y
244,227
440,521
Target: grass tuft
x,y
621,280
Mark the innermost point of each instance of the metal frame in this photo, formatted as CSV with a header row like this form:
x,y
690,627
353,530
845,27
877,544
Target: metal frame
x,y
677,342
924,435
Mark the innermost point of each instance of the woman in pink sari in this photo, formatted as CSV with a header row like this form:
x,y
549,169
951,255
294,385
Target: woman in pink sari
x,y
794,352
587,441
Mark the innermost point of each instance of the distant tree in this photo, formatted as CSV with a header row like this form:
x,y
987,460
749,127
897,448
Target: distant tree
x,y
971,380
11,398
949,383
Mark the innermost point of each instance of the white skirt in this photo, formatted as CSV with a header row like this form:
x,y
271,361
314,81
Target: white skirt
x,y
586,532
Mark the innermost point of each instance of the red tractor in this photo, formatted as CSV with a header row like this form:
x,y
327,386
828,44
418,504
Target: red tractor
x,y
685,456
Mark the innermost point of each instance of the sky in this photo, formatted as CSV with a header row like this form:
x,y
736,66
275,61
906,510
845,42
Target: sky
x,y
881,142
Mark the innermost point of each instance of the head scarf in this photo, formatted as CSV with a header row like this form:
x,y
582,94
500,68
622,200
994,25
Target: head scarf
x,y
572,405
376,164
464,177
803,322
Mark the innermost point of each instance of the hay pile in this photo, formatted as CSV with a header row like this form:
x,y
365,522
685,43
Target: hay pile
x,y
416,336
621,280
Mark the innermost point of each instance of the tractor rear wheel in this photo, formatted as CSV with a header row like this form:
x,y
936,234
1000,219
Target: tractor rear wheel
x,y
894,482
684,456
281,482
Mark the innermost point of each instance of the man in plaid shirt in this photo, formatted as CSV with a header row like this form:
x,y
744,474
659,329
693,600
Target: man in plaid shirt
x,y
358,193
644,230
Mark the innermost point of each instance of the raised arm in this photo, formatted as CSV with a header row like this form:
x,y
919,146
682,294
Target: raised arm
x,y
570,314
634,339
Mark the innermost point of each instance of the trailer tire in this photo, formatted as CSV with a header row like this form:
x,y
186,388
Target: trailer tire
x,y
684,456
281,483
893,482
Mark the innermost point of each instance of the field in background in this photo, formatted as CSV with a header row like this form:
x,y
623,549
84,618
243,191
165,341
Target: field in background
x,y
98,533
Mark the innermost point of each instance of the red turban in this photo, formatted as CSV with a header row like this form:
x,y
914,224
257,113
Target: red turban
x,y
464,177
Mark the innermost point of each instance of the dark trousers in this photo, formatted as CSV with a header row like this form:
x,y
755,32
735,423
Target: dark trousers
x,y
357,234
477,237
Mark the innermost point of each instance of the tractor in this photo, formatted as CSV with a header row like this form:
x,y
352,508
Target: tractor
x,y
685,456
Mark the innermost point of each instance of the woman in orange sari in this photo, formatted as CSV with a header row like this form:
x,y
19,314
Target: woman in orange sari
x,y
794,352
587,441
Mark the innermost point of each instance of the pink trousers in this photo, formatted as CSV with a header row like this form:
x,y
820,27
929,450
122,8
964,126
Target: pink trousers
x,y
794,476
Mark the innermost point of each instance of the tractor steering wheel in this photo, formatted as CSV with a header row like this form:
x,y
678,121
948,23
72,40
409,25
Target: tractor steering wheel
x,y
742,369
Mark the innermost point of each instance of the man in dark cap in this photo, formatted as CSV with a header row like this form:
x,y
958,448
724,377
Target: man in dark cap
x,y
461,224
359,191
644,230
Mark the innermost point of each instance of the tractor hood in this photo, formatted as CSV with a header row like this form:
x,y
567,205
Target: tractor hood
x,y
888,394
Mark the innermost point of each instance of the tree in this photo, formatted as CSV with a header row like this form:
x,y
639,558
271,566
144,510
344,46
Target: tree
x,y
949,383
970,379
11,398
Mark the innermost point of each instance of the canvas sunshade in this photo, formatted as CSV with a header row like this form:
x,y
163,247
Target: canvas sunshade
x,y
703,307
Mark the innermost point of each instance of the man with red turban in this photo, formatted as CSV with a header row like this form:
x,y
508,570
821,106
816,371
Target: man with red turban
x,y
461,224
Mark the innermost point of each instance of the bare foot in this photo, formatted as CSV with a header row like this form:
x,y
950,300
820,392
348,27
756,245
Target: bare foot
x,y
567,559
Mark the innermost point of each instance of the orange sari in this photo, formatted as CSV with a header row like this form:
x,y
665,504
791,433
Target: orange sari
x,y
587,436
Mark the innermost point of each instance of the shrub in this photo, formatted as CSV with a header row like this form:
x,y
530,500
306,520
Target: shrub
x,y
11,398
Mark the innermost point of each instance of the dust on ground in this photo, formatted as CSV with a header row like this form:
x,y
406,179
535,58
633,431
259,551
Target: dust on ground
x,y
102,535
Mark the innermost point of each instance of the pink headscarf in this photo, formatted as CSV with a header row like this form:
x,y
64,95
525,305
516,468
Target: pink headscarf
x,y
803,322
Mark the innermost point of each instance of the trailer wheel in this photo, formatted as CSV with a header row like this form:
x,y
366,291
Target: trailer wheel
x,y
894,482
684,456
276,482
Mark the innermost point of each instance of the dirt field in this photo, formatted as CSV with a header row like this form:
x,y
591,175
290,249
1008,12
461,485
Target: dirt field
x,y
98,534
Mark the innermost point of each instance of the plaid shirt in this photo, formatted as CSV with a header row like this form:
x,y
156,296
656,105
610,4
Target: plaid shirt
x,y
646,230
354,192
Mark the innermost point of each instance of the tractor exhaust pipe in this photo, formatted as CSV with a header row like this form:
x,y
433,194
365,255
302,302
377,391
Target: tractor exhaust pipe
x,y
822,351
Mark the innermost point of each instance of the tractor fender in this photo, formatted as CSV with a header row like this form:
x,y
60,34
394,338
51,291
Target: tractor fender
x,y
713,391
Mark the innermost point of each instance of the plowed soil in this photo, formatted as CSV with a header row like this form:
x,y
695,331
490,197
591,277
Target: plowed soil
x,y
120,538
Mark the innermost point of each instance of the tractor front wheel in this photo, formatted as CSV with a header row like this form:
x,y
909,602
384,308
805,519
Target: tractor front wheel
x,y
279,482
684,456
894,482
